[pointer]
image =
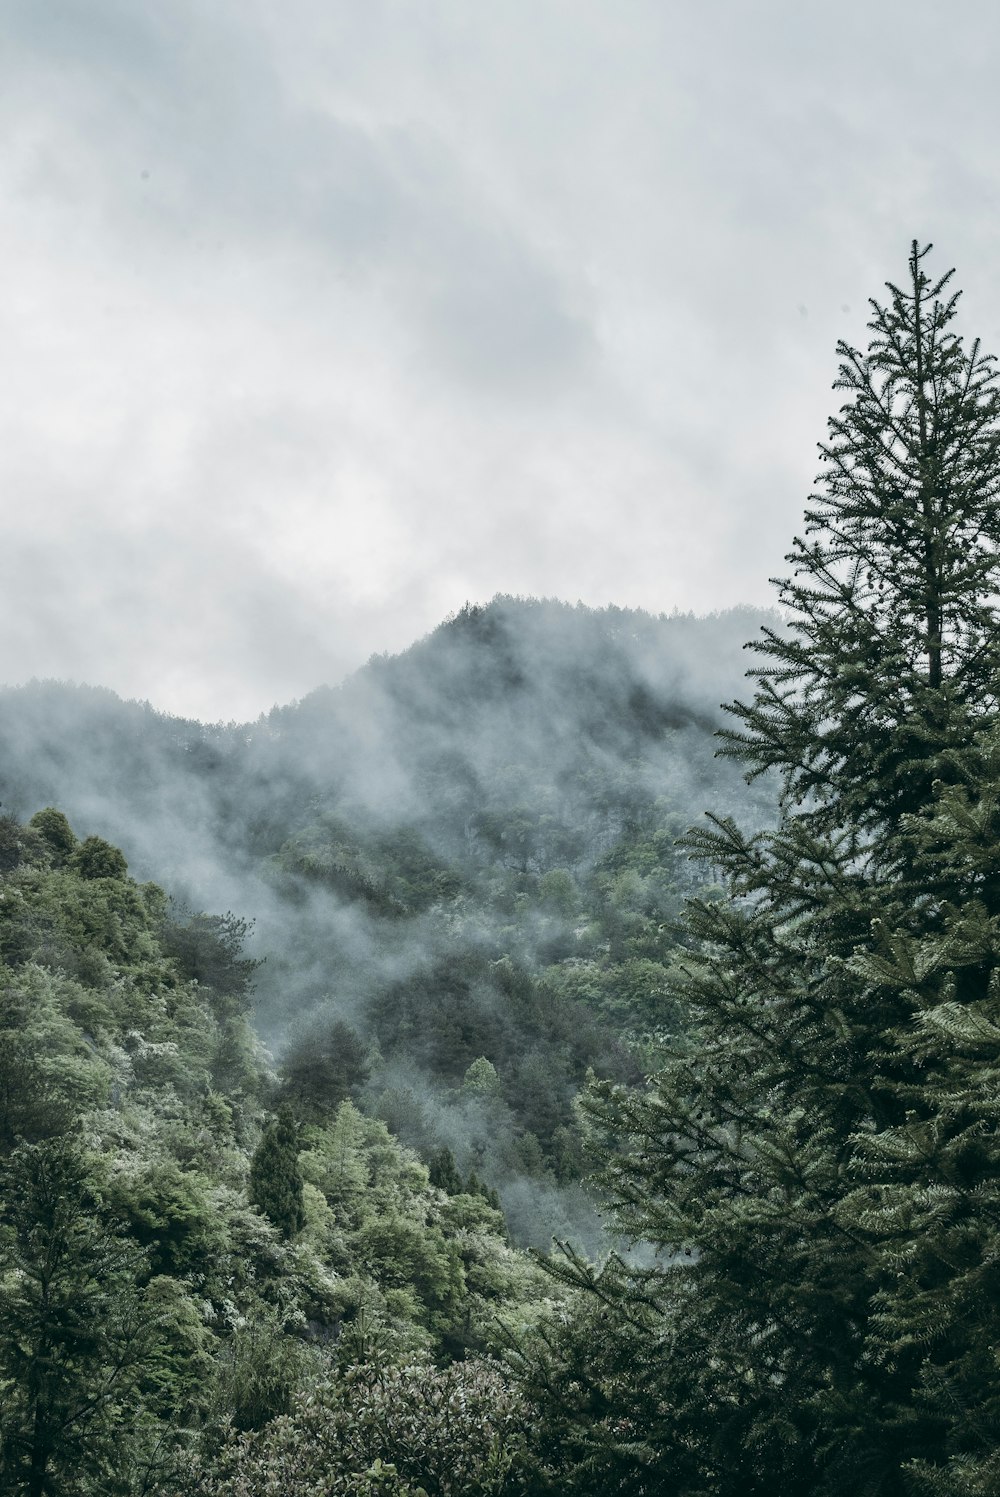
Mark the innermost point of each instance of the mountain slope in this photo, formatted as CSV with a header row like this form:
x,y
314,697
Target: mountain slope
x,y
462,854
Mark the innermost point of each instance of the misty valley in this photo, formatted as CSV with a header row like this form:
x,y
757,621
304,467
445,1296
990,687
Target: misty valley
x,y
458,872
509,1072
298,1014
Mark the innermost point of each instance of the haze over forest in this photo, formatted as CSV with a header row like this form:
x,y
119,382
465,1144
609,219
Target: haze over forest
x,y
754,1099
498,998
506,791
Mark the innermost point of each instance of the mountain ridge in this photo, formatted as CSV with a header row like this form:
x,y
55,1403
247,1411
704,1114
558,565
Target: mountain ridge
x,y
464,853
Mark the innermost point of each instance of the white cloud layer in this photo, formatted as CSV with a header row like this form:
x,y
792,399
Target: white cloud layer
x,y
321,319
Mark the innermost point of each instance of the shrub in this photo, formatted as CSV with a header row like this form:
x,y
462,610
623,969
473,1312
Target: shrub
x,y
457,1432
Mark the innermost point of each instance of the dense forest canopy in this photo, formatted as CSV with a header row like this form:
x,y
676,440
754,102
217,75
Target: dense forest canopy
x,y
180,1251
465,852
500,997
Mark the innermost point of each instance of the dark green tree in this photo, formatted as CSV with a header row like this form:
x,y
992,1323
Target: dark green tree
x,y
73,1338
321,1067
890,663
275,1177
211,949
95,858
443,1172
18,844
56,832
818,1162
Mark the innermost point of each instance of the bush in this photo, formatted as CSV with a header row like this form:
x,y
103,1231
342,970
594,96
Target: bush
x,y
460,1432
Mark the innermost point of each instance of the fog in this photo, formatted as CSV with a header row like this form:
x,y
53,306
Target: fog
x,y
413,847
324,317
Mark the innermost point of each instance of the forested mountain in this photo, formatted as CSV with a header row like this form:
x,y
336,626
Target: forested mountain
x,y
462,857
232,1278
179,1253
462,868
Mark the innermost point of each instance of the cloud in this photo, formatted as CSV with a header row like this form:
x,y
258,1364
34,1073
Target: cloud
x,y
324,320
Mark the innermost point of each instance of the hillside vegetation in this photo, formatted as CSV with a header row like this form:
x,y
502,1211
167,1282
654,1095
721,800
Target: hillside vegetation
x,y
499,999
179,1254
460,866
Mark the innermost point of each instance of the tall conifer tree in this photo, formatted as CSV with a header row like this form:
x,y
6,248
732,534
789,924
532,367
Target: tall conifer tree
x,y
74,1343
275,1176
819,1163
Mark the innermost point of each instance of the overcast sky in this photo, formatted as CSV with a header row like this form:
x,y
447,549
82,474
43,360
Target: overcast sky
x,y
321,318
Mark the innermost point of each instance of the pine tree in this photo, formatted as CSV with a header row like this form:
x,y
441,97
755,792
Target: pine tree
x,y
818,1163
74,1342
891,661
275,1177
443,1172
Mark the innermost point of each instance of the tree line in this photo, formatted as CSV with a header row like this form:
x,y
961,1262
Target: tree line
x,y
806,1295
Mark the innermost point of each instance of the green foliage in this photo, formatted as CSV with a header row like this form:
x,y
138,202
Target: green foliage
x,y
56,833
557,891
260,1369
325,1063
179,1369
458,1432
73,1336
95,858
170,1211
339,1161
50,1075
443,1172
147,1308
275,1177
209,949
18,844
481,1078
816,1162
435,1264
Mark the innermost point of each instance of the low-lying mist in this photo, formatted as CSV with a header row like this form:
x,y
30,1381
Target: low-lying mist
x,y
459,865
